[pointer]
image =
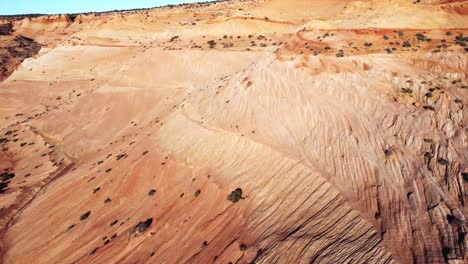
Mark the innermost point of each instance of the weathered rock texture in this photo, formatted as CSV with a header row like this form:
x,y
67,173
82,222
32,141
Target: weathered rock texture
x,y
238,132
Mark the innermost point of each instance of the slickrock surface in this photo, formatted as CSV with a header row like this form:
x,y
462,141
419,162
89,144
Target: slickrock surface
x,y
14,49
273,131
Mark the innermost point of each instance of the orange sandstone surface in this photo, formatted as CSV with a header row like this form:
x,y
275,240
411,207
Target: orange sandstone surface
x,y
254,131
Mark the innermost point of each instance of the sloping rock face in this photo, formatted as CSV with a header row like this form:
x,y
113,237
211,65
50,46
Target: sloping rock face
x,y
6,28
239,132
13,50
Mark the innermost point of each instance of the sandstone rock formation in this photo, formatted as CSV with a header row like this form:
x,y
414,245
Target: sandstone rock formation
x,y
249,131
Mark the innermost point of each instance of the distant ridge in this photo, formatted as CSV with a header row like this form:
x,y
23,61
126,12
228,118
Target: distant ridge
x,y
32,15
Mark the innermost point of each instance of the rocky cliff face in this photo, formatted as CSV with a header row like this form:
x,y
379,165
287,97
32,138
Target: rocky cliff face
x,y
239,132
14,49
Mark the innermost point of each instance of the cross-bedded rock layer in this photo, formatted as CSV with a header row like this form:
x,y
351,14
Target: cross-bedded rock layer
x,y
238,132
